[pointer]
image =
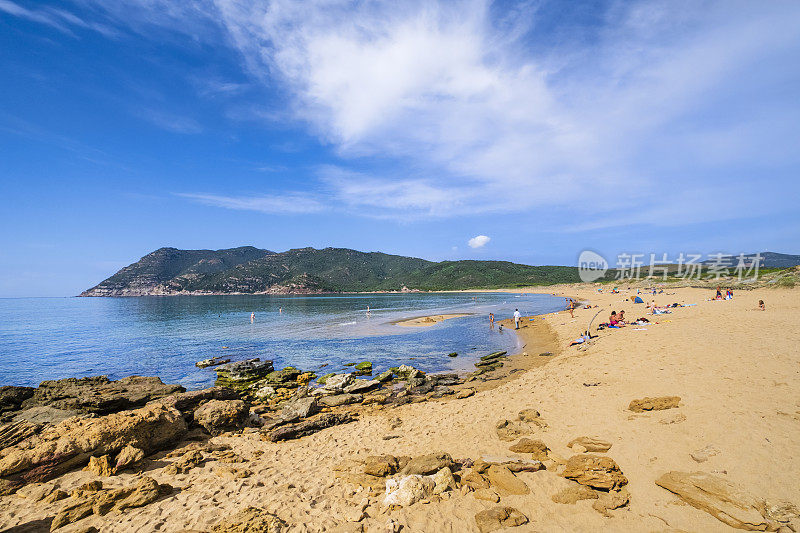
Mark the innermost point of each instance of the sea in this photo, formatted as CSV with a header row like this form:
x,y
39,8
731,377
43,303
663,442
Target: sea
x,y
164,336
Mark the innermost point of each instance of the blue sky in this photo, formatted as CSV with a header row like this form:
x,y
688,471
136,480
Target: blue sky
x,y
404,127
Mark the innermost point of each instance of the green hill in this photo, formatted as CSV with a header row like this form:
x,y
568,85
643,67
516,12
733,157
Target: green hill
x,y
307,270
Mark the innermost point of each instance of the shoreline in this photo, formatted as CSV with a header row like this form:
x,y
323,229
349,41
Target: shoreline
x,y
737,420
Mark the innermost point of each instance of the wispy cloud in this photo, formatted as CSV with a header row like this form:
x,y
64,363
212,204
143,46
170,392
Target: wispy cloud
x,y
171,122
59,19
272,204
475,112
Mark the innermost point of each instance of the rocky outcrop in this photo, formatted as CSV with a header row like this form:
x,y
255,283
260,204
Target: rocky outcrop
x,y
427,464
720,498
407,490
499,518
219,416
654,404
307,427
340,399
298,408
11,397
595,471
187,402
71,443
251,520
98,394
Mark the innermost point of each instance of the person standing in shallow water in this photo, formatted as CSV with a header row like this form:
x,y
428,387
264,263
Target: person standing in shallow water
x,y
252,317
491,320
517,316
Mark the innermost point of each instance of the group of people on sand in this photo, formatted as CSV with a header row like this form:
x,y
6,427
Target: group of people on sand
x,y
728,294
517,318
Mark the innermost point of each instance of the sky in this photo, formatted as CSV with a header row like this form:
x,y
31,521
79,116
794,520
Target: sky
x,y
522,131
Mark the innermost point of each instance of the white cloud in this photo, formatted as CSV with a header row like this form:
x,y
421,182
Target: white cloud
x,y
479,241
477,116
275,204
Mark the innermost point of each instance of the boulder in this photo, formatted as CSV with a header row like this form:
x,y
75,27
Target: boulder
x,y
493,355
128,456
323,379
383,377
443,481
363,368
219,416
510,430
251,520
505,482
340,399
338,382
536,447
488,495
187,402
241,375
362,385
531,416
299,408
608,501
452,354
100,466
186,462
69,445
408,490
307,427
590,444
499,518
720,498
465,393
408,372
427,464
98,394
285,377
264,393
595,471
44,414
654,404
380,465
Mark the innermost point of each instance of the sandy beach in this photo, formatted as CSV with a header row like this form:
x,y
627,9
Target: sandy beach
x,y
735,369
429,320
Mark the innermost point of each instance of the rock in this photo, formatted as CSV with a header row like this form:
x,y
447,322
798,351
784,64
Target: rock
x,y
285,377
704,454
213,361
307,427
340,399
264,393
241,375
36,491
427,464
71,513
146,491
186,462
44,415
502,479
573,494
608,501
654,404
11,397
362,385
546,354
100,395
465,393
16,432
383,377
374,483
380,465
407,490
590,444
55,496
363,368
499,518
337,383
493,355
443,481
596,472
452,354
70,444
323,379
535,447
473,479
488,495
508,430
219,416
187,402
408,372
251,520
720,498
300,408
531,416
100,466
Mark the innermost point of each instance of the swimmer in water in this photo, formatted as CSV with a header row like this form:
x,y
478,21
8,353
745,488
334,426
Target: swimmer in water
x,y
252,317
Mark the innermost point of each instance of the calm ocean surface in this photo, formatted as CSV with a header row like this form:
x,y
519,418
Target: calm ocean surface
x,y
52,338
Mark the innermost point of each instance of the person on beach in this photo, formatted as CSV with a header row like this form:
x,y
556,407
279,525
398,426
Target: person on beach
x,y
571,307
761,305
252,317
517,316
719,293
613,321
280,310
621,317
491,320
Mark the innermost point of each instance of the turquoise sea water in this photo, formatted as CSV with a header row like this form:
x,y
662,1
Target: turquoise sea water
x,y
52,338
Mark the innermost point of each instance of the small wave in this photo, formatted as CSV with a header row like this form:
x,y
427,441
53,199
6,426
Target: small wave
x,y
347,323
